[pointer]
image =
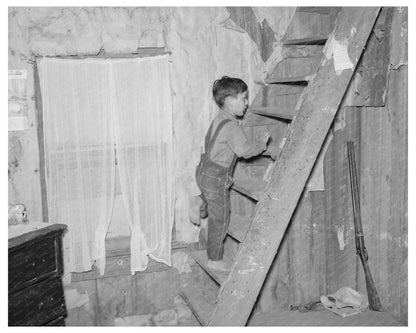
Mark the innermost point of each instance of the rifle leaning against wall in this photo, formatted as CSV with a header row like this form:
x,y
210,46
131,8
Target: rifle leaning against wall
x,y
373,299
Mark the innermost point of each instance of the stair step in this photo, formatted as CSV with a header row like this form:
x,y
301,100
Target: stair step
x,y
199,300
238,226
201,258
231,246
274,101
252,119
301,51
254,168
294,70
252,188
308,27
320,10
248,177
275,111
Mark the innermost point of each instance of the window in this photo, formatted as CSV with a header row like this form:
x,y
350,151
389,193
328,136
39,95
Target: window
x,y
95,110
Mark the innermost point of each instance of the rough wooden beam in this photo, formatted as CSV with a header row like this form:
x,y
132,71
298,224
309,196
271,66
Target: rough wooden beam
x,y
291,171
39,127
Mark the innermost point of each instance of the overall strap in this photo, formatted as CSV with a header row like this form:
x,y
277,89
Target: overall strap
x,y
214,137
208,136
232,165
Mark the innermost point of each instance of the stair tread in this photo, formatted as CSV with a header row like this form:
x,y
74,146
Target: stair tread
x,y
200,302
277,100
320,10
248,177
238,226
319,40
271,111
301,51
294,69
253,119
251,187
312,26
202,259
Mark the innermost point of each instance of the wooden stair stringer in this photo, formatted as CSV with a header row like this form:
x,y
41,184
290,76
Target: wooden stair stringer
x,y
291,171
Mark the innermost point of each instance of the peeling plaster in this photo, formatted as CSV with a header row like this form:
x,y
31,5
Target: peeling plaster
x,y
399,45
340,235
338,50
74,299
339,121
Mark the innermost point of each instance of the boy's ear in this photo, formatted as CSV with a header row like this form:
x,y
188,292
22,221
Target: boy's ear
x,y
229,101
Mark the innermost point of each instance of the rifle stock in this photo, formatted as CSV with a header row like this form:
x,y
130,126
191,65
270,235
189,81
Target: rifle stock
x,y
373,298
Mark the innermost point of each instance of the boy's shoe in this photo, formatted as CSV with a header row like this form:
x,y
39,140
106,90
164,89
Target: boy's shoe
x,y
219,265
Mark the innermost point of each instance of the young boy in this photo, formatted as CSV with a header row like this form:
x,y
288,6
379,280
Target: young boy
x,y
224,143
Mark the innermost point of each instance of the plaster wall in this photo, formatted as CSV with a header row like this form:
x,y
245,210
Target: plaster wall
x,y
202,49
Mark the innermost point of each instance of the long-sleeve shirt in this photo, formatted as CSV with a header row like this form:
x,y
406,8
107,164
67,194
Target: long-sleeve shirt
x,y
231,140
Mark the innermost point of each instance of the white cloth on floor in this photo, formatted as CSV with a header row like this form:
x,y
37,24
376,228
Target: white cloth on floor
x,y
345,302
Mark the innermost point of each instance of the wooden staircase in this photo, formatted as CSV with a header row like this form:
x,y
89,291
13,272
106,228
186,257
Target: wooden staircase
x,y
296,106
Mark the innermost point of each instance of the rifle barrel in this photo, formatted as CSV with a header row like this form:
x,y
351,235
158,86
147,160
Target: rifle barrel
x,y
373,298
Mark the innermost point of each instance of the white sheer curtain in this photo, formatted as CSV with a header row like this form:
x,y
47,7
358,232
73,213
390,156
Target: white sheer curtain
x,y
144,153
91,107
79,155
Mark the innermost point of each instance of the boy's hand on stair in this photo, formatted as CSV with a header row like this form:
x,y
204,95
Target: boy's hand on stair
x,y
263,138
273,151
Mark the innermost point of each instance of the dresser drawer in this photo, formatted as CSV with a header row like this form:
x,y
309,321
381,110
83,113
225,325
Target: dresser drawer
x,y
34,261
38,304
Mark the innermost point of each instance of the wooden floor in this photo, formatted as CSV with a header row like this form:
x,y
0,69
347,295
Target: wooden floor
x,y
322,318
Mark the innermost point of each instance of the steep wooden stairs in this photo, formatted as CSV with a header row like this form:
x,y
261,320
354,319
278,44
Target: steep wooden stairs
x,y
296,106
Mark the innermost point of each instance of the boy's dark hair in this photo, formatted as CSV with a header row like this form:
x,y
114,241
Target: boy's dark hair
x,y
225,87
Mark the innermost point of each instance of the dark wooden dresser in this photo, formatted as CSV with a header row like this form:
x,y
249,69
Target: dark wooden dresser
x,y
36,295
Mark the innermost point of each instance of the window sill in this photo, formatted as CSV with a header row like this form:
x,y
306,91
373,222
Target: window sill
x,y
118,260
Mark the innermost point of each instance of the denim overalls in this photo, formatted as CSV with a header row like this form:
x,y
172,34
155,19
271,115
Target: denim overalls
x,y
215,181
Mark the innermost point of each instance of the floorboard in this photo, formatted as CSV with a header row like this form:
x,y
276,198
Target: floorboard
x,y
322,318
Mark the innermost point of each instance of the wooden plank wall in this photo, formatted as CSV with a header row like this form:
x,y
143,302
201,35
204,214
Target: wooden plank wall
x,y
317,255
299,267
